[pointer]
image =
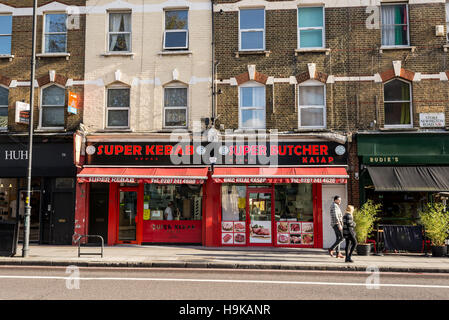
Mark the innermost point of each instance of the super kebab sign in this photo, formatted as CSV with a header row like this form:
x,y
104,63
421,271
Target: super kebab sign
x,y
284,153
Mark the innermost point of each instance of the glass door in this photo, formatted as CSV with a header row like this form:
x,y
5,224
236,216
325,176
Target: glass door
x,y
259,213
127,217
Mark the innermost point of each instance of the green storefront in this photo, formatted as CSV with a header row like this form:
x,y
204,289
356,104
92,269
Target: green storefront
x,y
403,171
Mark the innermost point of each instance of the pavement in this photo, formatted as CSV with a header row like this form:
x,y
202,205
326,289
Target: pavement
x,y
191,256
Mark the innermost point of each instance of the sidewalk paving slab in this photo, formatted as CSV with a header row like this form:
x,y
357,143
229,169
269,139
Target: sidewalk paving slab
x,y
248,258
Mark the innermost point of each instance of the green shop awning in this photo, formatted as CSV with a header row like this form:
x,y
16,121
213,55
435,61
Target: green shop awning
x,y
418,178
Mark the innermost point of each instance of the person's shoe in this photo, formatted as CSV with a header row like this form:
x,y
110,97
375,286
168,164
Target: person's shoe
x,y
349,260
340,255
331,252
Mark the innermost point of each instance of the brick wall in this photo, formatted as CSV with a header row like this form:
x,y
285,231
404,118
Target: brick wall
x,y
19,68
351,106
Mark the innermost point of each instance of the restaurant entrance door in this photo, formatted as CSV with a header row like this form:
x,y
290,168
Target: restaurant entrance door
x,y
260,216
128,215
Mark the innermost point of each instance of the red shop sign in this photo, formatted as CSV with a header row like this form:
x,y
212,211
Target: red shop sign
x,y
172,231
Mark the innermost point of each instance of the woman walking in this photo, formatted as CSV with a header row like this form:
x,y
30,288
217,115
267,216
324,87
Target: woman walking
x,y
349,233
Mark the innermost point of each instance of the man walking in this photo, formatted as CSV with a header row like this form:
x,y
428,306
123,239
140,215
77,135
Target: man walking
x,y
337,225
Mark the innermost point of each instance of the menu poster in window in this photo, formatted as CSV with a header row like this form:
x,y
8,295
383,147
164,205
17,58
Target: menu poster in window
x,y
283,238
227,238
282,227
307,239
260,231
227,226
295,239
239,226
307,227
239,238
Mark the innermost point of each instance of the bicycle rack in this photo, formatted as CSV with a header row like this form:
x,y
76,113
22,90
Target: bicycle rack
x,y
90,253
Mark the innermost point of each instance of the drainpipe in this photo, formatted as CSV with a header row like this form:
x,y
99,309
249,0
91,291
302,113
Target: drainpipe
x,y
213,65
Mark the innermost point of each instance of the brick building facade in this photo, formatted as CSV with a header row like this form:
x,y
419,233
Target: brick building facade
x,y
60,43
358,54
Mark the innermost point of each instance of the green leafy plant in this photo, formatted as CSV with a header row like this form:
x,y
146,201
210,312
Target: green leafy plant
x,y
365,217
435,222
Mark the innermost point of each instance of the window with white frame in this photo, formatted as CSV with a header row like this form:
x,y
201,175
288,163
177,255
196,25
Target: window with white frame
x,y
176,34
311,27
252,106
55,33
119,35
117,107
312,104
175,106
52,107
395,29
397,103
5,34
4,94
252,29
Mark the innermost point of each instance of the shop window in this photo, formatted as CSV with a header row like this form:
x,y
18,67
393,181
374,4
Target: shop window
x,y
312,104
5,34
397,104
233,214
252,106
4,95
55,33
176,35
294,214
175,106
252,29
52,111
172,202
311,27
395,25
118,107
119,32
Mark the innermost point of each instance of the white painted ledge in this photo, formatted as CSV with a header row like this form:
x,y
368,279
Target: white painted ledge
x,y
7,56
393,48
65,55
118,54
252,52
316,50
175,52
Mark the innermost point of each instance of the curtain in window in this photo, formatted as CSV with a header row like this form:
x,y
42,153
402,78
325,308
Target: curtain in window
x,y
229,203
310,24
118,23
3,107
253,107
394,25
405,108
175,97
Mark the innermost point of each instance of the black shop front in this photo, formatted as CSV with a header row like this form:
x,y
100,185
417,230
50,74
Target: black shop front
x,y
53,186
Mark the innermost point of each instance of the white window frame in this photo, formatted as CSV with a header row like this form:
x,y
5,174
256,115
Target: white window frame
x,y
252,30
6,34
408,25
176,30
116,87
323,29
312,83
252,84
5,106
41,106
186,107
109,33
400,101
44,49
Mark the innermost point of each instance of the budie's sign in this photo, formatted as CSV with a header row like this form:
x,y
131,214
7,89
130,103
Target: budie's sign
x,y
280,153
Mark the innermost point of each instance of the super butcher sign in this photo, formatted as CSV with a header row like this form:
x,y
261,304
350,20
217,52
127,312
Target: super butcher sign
x,y
283,153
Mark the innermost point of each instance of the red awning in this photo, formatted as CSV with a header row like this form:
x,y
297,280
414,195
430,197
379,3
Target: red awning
x,y
280,175
145,175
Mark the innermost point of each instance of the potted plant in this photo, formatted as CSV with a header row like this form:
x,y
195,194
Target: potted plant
x,y
435,221
365,217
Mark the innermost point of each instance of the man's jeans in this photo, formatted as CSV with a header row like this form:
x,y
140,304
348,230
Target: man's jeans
x,y
340,239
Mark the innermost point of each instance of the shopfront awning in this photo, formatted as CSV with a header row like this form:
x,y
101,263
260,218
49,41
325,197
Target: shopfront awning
x,y
281,175
417,178
144,175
